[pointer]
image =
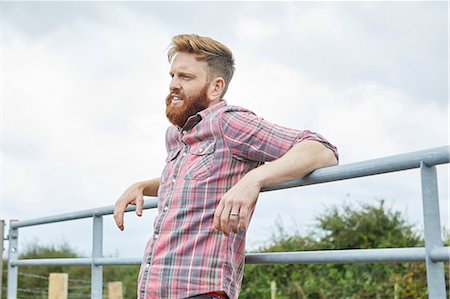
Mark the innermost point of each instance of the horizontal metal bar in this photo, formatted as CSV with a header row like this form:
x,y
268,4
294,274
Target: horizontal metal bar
x,y
118,261
77,262
149,203
54,262
440,254
433,156
416,254
339,256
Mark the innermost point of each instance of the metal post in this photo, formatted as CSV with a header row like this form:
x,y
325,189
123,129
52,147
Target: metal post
x,y
13,255
432,231
2,247
97,252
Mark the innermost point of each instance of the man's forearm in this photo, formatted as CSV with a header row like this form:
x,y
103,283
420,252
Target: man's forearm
x,y
299,161
150,187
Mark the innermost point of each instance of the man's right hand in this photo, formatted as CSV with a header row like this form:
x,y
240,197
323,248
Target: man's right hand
x,y
133,195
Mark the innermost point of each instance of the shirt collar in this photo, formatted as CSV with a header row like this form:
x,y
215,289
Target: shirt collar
x,y
195,119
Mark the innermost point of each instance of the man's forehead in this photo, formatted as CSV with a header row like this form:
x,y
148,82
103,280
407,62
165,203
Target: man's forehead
x,y
187,62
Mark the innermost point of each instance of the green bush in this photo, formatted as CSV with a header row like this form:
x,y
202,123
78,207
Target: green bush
x,y
348,227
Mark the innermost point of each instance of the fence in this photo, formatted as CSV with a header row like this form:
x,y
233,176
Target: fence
x,y
434,253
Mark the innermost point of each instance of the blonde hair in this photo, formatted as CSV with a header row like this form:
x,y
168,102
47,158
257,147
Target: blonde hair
x,y
219,58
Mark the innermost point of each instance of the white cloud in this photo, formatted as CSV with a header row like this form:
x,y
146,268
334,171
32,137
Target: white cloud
x,y
317,23
254,30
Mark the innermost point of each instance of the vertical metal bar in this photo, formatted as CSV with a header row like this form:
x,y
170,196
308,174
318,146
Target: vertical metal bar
x,y
97,251
432,231
13,255
2,247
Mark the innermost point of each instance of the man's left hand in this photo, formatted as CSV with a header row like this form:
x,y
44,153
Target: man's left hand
x,y
234,207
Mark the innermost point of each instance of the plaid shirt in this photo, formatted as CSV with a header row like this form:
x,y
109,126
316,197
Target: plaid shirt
x,y
217,146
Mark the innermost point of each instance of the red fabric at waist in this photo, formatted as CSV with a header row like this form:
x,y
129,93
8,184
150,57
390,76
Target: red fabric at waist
x,y
216,294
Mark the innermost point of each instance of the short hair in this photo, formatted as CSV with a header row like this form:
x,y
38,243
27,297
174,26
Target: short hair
x,y
218,57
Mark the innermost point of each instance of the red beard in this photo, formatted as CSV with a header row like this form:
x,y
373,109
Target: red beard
x,y
178,115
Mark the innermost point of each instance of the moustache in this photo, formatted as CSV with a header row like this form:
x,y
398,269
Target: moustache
x,y
174,96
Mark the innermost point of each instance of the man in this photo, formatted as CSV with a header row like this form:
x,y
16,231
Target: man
x,y
215,170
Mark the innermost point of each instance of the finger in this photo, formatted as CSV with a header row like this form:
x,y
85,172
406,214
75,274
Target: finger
x,y
234,219
217,213
119,210
224,218
139,205
243,215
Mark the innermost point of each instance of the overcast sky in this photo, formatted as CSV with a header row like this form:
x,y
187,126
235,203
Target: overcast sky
x,y
84,83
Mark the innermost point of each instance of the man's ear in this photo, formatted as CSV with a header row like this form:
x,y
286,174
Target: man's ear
x,y
216,88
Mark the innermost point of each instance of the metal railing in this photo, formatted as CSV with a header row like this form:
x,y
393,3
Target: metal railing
x,y
434,253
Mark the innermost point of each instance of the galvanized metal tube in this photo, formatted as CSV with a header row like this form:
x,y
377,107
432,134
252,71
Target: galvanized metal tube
x,y
118,261
381,255
13,254
433,156
339,256
2,235
432,231
148,204
54,262
97,252
440,254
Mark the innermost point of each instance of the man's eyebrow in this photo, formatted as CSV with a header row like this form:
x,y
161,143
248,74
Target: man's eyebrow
x,y
182,73
186,73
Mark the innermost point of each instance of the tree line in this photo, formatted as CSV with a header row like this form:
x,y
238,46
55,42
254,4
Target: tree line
x,y
362,226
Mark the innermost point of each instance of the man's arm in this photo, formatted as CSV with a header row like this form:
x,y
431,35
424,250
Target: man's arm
x,y
299,161
134,195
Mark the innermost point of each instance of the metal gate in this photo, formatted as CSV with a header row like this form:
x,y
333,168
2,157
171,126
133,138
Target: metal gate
x,y
434,253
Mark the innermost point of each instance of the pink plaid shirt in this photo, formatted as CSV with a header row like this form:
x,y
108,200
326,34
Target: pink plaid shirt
x,y
217,146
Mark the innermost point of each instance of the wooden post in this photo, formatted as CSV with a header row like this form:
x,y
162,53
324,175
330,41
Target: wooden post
x,y
273,289
115,290
396,290
58,285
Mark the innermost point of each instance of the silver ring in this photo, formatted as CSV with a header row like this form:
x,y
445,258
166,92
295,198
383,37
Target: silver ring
x,y
234,214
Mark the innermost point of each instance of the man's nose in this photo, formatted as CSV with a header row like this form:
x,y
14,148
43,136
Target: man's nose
x,y
174,84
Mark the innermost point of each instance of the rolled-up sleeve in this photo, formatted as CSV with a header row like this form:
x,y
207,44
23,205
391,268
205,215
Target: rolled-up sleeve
x,y
250,137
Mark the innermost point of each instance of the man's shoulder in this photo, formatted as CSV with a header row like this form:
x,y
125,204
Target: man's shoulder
x,y
172,136
230,109
233,119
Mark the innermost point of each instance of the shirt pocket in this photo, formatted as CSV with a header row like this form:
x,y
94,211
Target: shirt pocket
x,y
200,160
170,161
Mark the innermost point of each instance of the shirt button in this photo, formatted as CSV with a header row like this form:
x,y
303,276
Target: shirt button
x,y
173,180
200,150
185,132
147,265
166,208
184,154
156,236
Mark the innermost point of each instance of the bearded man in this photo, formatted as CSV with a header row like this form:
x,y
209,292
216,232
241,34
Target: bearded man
x,y
213,175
